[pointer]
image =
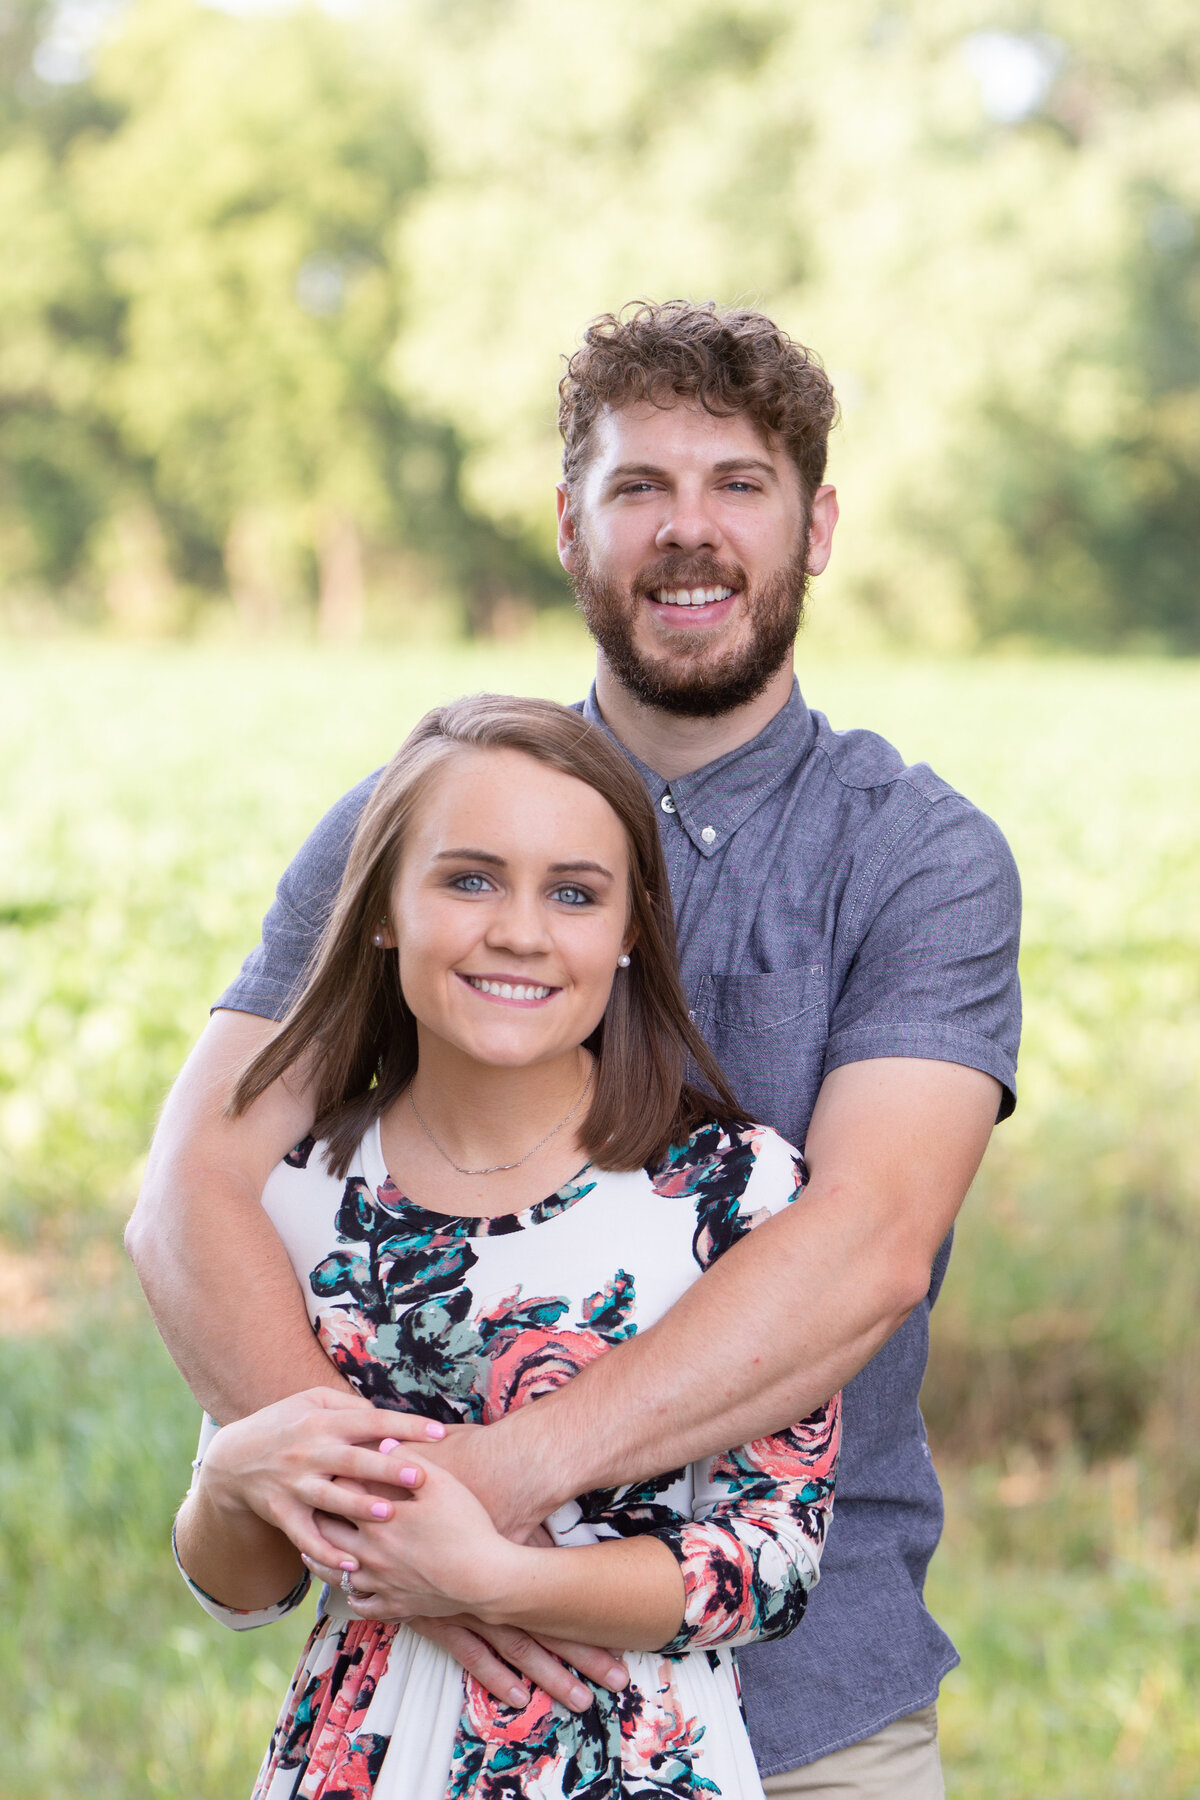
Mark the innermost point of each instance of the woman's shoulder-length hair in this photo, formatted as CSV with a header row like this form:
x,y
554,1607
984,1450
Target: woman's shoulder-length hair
x,y
349,1031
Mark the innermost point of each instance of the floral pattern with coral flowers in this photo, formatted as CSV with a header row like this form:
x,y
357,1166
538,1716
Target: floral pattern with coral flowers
x,y
466,1319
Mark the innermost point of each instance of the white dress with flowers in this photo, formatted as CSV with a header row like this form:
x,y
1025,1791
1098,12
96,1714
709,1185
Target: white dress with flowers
x,y
463,1319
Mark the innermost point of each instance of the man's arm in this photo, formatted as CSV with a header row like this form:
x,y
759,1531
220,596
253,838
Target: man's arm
x,y
220,1285
783,1320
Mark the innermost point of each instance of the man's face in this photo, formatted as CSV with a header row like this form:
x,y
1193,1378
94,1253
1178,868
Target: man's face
x,y
686,539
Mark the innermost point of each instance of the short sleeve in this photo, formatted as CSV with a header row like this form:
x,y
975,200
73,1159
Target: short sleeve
x,y
303,902
236,1618
934,973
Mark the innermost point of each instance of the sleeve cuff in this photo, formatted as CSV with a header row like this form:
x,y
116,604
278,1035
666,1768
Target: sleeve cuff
x,y
929,1043
722,1602
239,1618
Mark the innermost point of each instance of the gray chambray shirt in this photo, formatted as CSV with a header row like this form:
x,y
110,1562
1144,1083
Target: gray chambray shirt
x,y
833,905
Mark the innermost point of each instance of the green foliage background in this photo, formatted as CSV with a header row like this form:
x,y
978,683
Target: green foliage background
x,y
284,293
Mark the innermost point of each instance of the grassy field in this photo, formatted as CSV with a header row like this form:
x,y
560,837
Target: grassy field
x,y
149,798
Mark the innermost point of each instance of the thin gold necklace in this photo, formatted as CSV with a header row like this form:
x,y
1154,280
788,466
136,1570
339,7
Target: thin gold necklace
x,y
501,1168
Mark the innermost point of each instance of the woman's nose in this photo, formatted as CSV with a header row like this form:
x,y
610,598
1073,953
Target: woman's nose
x,y
520,925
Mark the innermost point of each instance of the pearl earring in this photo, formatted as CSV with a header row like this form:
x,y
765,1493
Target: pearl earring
x,y
378,939
622,961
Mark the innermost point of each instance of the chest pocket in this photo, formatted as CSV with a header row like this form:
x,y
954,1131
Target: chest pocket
x,y
768,1033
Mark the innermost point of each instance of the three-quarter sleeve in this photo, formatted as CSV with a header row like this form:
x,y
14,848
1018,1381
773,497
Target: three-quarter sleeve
x,y
753,1548
236,1618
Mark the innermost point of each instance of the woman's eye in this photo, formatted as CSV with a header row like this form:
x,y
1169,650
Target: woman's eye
x,y
573,896
472,884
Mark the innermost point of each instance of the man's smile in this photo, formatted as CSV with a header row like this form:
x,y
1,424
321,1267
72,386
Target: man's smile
x,y
691,608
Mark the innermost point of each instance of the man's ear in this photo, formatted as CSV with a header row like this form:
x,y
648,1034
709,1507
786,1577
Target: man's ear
x,y
566,528
820,532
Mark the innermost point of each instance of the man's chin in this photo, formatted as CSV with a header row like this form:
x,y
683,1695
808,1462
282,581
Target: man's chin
x,y
695,687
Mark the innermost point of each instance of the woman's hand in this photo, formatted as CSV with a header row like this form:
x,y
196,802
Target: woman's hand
x,y
444,1557
311,1455
503,1658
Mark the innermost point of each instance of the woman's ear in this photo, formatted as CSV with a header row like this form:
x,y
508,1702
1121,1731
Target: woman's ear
x,y
382,936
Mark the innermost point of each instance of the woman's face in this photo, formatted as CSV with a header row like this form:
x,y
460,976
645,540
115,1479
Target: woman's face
x,y
510,908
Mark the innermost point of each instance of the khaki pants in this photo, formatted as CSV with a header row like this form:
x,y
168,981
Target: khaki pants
x,y
900,1762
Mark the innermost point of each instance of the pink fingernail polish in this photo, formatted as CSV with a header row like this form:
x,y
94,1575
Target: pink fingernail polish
x,y
410,1477
388,1445
381,1509
349,1565
434,1430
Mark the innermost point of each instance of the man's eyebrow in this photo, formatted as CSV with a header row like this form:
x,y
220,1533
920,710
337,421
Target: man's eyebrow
x,y
726,466
467,854
731,463
624,469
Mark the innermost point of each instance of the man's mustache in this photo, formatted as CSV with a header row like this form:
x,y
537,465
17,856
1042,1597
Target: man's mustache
x,y
689,572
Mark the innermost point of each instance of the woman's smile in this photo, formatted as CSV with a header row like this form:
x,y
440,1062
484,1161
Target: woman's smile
x,y
508,990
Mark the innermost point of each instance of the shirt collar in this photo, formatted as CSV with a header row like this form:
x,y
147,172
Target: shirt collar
x,y
712,802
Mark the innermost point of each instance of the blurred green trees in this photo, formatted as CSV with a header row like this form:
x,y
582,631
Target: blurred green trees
x,y
283,293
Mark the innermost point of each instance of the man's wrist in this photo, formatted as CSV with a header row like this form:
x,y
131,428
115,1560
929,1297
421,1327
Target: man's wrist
x,y
513,1466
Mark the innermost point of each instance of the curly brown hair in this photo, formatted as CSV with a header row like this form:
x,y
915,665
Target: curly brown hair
x,y
727,359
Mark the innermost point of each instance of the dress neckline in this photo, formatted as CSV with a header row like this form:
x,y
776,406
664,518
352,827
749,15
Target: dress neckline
x,y
446,1224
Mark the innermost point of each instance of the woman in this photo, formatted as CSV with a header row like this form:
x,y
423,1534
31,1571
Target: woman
x,y
495,1016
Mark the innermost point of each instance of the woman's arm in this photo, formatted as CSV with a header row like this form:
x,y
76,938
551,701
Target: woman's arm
x,y
225,1543
739,1570
447,1557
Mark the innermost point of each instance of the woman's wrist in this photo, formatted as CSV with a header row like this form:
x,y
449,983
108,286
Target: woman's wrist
x,y
515,1575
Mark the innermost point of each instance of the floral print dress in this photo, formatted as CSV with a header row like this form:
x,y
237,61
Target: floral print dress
x,y
465,1318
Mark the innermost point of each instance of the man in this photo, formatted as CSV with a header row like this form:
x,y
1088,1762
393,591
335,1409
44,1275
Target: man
x,y
847,931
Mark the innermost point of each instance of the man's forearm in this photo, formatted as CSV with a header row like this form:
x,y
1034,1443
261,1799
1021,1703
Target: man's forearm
x,y
225,1297
223,1293
782,1321
653,1403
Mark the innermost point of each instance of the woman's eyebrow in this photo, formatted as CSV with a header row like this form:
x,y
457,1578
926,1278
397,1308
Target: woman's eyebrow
x,y
575,868
470,855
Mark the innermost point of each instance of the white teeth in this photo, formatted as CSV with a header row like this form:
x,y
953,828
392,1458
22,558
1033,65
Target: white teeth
x,y
509,990
692,596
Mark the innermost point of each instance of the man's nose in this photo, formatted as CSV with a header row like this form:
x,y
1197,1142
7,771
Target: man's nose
x,y
690,525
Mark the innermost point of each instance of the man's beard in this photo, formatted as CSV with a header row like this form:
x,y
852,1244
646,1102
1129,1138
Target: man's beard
x,y
686,678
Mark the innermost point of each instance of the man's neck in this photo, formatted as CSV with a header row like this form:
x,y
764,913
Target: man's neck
x,y
672,745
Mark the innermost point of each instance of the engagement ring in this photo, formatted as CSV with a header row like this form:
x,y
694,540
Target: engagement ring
x,y
346,1588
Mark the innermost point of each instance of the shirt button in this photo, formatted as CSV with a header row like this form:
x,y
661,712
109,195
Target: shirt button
x,y
667,804
709,835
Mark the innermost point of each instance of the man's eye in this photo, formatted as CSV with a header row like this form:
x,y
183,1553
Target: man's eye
x,y
573,896
471,884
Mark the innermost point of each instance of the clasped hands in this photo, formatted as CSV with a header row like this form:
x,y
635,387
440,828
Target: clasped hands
x,y
345,1482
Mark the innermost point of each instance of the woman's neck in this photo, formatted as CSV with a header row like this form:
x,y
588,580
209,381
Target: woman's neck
x,y
471,1137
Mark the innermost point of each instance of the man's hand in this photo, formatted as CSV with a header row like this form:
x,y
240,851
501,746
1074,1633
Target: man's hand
x,y
496,1654
493,1653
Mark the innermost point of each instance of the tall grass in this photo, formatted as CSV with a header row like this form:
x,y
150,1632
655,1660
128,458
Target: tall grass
x,y
148,798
